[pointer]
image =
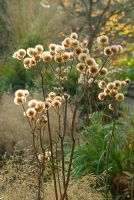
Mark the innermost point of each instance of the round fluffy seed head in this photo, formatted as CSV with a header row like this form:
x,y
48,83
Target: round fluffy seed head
x,y
128,81
22,52
31,113
66,95
52,47
39,106
77,50
30,52
74,36
67,41
80,67
107,51
101,96
26,92
123,83
19,100
65,56
93,69
114,49
111,106
59,49
82,57
46,56
110,86
102,84
58,58
120,49
90,61
106,91
15,54
33,62
84,43
75,43
103,71
20,93
85,50
58,98
52,95
47,105
119,97
32,103
56,103
113,93
102,39
49,100
39,48
117,83
27,63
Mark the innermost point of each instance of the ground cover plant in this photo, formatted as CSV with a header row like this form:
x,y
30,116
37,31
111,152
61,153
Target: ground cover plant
x,y
67,62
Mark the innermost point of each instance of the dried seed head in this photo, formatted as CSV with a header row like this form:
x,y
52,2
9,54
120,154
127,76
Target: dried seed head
x,y
31,113
52,47
67,42
58,58
39,106
58,98
120,49
47,105
52,95
113,93
111,106
77,50
102,84
110,86
85,50
65,56
114,49
39,48
103,71
102,39
32,103
22,52
84,43
101,96
93,69
117,83
15,54
56,103
46,56
123,83
90,61
80,67
19,93
27,63
75,44
74,36
108,51
82,57
119,97
26,92
128,81
106,91
19,100
30,52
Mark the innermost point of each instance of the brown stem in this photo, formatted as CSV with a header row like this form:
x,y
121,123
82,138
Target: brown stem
x,y
52,156
58,172
107,159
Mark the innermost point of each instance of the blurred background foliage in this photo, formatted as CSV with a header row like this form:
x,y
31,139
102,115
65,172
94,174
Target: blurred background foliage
x,y
24,24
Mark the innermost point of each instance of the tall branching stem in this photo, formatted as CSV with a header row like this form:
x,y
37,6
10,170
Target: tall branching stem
x,y
109,143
